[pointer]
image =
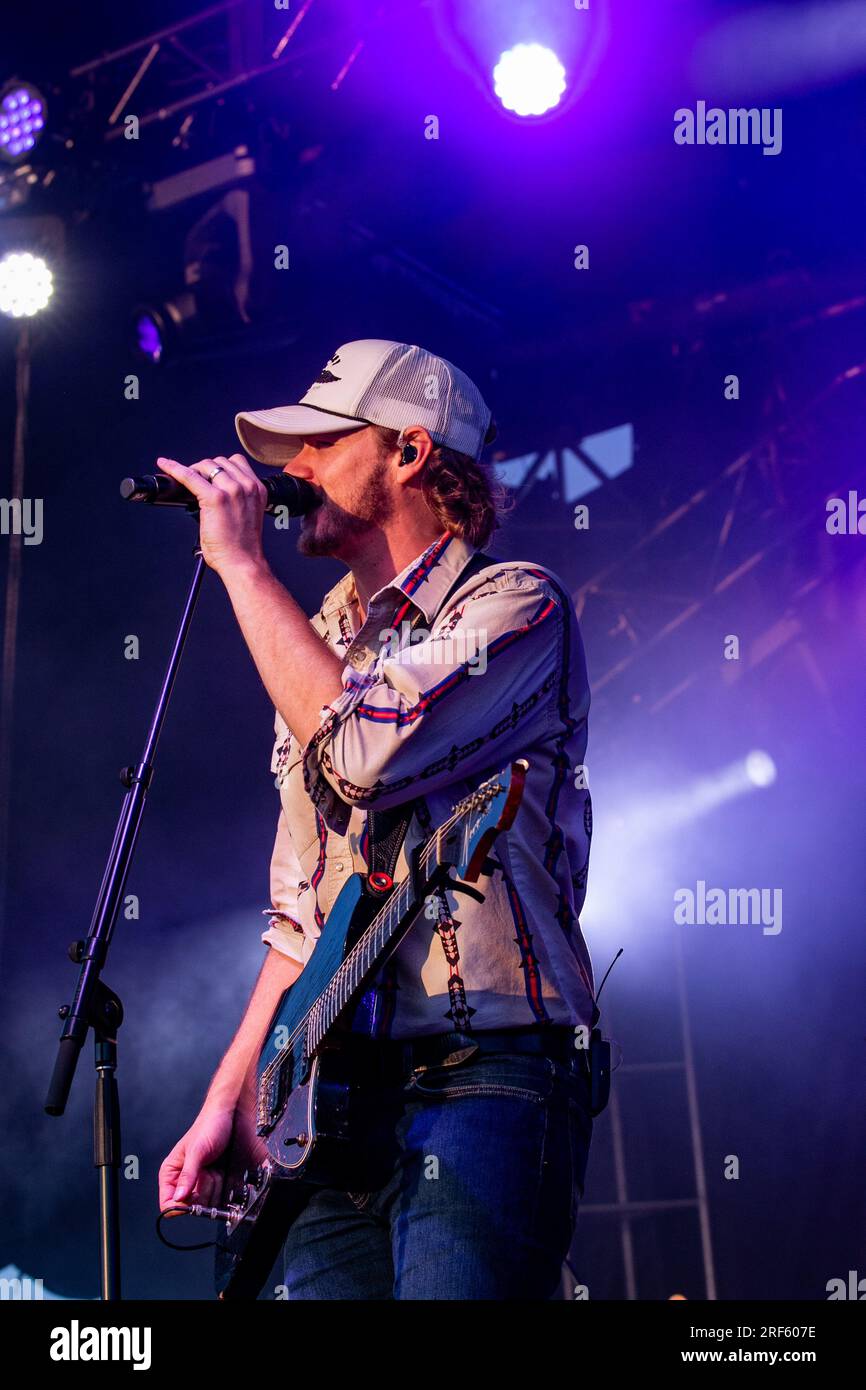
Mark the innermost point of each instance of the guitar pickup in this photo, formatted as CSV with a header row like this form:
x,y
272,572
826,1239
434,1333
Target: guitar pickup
x,y
274,1092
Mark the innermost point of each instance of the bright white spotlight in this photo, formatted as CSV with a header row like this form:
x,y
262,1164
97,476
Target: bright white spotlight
x,y
26,284
529,79
760,769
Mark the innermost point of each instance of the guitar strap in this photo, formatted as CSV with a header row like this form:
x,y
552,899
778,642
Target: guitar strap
x,y
386,829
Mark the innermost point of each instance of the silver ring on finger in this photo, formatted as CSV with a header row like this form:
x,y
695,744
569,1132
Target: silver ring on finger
x,y
219,469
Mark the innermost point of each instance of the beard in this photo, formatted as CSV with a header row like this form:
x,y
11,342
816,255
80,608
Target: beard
x,y
334,527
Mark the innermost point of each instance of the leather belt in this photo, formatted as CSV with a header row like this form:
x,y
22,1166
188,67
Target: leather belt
x,y
449,1049
552,1041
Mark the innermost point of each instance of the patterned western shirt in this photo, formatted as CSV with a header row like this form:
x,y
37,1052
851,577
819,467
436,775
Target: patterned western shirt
x,y
494,674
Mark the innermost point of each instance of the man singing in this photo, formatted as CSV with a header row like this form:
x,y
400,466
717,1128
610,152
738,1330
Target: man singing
x,y
429,667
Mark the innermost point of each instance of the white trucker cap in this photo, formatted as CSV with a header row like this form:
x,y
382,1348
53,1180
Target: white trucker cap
x,y
374,382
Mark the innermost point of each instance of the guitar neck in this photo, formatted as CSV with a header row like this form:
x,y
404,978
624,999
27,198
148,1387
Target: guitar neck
x,y
383,932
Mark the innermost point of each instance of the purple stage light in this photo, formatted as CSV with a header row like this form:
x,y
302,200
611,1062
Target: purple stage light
x,y
529,79
148,338
21,119
760,768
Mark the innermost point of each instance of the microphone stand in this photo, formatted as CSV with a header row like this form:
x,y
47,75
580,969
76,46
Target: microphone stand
x,y
97,1006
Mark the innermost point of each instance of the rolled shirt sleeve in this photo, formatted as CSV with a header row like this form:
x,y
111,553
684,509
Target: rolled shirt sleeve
x,y
472,694
285,932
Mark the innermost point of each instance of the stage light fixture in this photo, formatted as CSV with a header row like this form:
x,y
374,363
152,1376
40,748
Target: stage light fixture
x,y
157,328
760,768
148,337
22,119
529,79
26,284
217,264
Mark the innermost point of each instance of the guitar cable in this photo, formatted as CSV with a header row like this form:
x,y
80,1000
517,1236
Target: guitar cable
x,y
599,1072
213,1212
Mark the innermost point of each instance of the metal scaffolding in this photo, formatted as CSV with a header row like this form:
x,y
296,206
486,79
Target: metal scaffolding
x,y
625,1209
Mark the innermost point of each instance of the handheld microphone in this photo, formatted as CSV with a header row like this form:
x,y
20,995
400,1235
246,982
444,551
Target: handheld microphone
x,y
159,490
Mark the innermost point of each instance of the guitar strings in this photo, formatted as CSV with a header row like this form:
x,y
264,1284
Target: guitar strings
x,y
351,959
354,955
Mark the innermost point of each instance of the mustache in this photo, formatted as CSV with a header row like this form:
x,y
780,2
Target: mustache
x,y
321,498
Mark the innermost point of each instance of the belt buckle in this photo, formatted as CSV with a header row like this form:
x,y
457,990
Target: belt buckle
x,y
464,1049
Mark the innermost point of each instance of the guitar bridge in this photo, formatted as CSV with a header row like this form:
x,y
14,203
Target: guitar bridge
x,y
274,1091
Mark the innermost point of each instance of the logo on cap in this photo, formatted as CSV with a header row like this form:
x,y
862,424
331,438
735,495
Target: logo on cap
x,y
326,376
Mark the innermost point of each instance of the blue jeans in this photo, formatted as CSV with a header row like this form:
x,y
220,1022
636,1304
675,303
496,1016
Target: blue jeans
x,y
485,1163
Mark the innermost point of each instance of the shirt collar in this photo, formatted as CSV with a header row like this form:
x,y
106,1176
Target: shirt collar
x,y
425,580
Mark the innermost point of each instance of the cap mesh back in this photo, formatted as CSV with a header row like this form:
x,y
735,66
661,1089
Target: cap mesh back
x,y
414,387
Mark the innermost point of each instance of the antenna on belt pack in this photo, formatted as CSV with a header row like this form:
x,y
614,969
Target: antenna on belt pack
x,y
599,1053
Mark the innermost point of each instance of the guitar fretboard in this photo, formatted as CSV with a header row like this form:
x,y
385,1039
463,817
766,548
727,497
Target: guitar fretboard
x,y
392,918
371,945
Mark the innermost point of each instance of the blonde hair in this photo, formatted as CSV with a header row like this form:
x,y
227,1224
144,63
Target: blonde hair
x,y
460,493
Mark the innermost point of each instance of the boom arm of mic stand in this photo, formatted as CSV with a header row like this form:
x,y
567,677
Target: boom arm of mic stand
x,y
77,1017
94,1005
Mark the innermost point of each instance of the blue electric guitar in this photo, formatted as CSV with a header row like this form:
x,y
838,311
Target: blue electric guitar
x,y
306,1084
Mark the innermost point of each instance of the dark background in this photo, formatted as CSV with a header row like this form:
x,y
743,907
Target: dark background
x,y
703,262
